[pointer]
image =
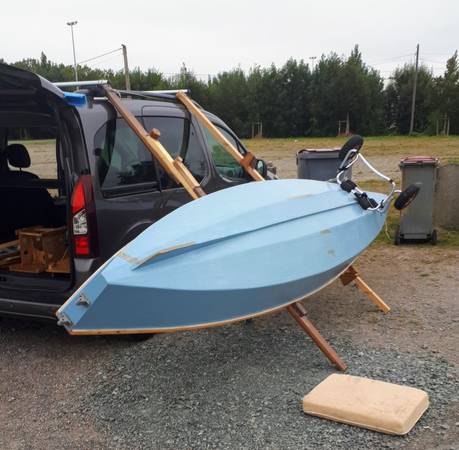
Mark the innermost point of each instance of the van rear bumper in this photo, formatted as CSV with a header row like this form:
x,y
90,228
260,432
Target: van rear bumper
x,y
24,308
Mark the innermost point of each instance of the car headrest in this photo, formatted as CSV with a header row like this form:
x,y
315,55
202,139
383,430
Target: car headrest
x,y
18,156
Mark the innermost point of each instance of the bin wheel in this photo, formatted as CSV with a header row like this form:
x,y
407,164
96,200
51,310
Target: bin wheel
x,y
434,237
406,197
397,239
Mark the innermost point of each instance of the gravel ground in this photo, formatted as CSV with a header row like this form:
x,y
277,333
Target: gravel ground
x,y
241,386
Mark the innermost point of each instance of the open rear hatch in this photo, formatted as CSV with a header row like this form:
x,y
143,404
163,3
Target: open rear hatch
x,y
34,236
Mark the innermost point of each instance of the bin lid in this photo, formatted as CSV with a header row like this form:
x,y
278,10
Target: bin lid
x,y
306,153
319,149
419,160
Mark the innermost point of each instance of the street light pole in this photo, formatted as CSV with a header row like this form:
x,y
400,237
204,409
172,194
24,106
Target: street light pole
x,y
71,25
313,60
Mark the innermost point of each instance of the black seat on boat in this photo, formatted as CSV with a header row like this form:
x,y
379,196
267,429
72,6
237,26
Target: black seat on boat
x,y
22,206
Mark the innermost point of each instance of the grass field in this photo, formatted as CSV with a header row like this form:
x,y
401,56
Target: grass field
x,y
385,152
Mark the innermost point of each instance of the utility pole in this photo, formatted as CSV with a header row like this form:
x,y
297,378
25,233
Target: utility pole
x,y
71,25
413,99
126,68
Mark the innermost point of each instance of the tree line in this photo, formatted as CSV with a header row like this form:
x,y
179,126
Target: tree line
x,y
297,100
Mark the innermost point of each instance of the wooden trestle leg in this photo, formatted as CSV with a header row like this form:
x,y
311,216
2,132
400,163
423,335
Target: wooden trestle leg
x,y
351,275
298,312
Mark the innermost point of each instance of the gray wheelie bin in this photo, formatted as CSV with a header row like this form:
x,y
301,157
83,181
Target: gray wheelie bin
x,y
319,164
417,220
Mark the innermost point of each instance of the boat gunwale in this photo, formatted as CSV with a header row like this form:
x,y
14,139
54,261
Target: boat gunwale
x,y
113,331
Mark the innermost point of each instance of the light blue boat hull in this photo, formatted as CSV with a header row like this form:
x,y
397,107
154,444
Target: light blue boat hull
x,y
231,255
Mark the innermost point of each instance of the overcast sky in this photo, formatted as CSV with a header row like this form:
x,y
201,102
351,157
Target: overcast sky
x,y
214,35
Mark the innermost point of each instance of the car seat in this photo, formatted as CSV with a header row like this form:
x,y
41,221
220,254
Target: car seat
x,y
18,157
22,205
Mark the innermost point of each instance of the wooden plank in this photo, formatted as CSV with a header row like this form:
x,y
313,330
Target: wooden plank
x,y
9,253
351,275
246,162
177,170
188,176
9,260
9,244
298,312
372,295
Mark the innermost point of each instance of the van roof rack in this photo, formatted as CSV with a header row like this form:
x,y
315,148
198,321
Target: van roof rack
x,y
89,83
165,94
68,84
166,91
94,89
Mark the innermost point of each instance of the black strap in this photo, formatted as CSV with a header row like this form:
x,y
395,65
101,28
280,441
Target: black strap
x,y
364,201
348,185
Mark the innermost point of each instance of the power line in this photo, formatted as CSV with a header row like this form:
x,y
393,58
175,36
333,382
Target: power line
x,y
100,56
433,62
388,60
439,54
96,64
381,62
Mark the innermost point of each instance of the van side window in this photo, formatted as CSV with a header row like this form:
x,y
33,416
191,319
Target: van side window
x,y
123,160
224,162
178,137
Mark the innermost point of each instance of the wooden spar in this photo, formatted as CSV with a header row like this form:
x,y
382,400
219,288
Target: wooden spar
x,y
298,312
372,295
175,168
245,161
179,172
351,275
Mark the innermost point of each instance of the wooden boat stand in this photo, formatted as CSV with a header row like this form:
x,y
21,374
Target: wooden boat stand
x,y
180,173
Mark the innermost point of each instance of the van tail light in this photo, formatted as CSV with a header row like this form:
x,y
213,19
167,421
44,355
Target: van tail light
x,y
84,224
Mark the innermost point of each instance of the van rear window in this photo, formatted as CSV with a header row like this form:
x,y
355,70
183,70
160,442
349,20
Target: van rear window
x,y
123,159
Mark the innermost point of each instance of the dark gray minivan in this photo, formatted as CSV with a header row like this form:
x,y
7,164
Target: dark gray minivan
x,y
78,165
